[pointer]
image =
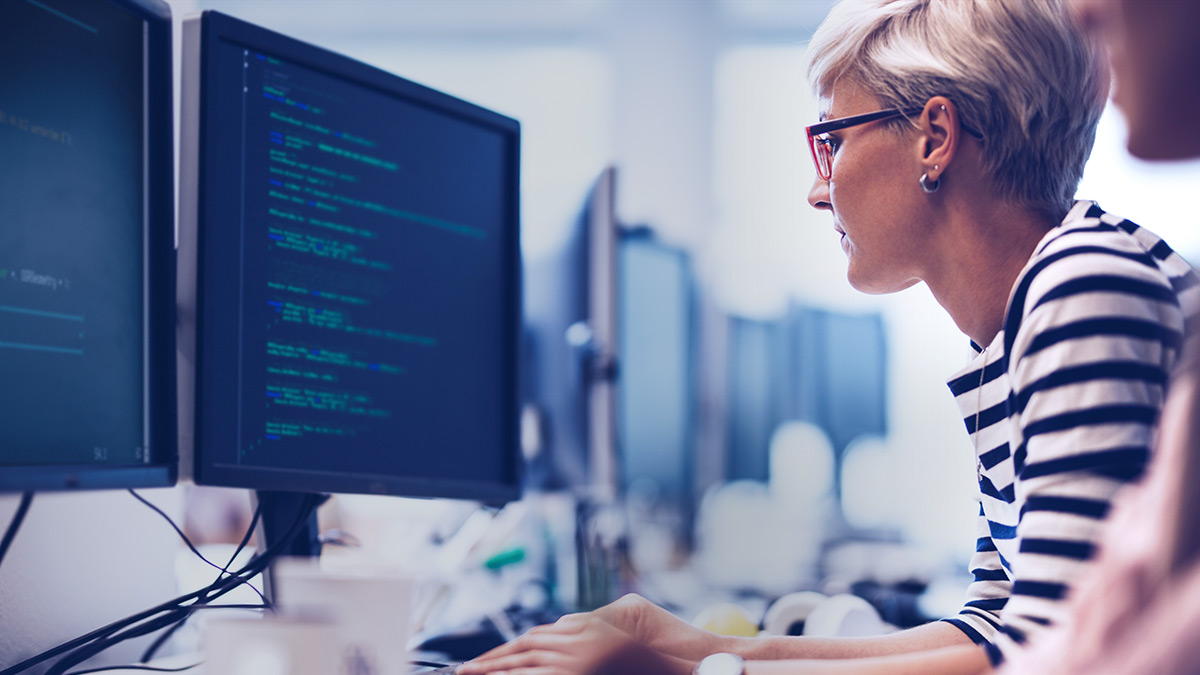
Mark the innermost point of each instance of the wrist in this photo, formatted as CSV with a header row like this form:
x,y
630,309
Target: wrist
x,y
730,644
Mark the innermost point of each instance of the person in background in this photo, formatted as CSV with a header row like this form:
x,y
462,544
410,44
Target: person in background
x,y
1139,612
946,156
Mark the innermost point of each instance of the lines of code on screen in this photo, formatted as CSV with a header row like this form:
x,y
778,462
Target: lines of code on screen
x,y
364,239
71,234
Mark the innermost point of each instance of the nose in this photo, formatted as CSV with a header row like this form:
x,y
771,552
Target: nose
x,y
818,196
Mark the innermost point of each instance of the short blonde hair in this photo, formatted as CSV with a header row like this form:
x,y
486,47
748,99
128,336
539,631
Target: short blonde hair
x,y
1018,70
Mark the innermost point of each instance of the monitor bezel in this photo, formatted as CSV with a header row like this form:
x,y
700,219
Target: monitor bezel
x,y
215,28
158,288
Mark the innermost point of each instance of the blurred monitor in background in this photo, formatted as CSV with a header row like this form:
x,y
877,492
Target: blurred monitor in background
x,y
819,366
569,361
657,380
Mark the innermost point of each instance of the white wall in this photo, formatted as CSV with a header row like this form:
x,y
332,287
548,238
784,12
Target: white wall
x,y
81,561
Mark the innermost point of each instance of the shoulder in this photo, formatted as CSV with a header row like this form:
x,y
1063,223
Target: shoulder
x,y
1093,242
1096,264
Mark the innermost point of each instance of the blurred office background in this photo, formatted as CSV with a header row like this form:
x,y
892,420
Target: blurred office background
x,y
701,106
768,415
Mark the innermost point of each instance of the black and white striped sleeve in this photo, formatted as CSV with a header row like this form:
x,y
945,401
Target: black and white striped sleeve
x,y
1092,333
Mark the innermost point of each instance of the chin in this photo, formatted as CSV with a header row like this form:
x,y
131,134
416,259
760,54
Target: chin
x,y
878,286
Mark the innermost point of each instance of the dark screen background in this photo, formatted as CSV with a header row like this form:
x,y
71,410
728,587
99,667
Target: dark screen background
x,y
71,243
356,311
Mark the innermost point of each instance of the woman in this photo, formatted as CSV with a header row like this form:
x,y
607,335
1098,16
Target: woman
x,y
947,156
1139,612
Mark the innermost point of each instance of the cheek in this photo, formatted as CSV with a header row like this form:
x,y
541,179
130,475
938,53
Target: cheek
x,y
869,191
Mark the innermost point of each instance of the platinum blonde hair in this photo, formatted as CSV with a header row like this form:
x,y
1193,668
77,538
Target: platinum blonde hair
x,y
1017,70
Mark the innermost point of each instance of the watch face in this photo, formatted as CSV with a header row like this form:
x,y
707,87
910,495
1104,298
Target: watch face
x,y
721,664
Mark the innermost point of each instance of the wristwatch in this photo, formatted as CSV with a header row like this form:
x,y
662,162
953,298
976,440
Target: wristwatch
x,y
720,664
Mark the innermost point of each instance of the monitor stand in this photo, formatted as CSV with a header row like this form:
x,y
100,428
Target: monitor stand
x,y
280,512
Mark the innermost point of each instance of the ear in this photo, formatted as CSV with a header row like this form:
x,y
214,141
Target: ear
x,y
939,135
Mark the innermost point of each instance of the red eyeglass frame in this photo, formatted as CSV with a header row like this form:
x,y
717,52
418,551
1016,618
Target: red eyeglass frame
x,y
823,157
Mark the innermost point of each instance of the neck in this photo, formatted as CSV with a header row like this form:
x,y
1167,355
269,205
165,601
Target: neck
x,y
987,244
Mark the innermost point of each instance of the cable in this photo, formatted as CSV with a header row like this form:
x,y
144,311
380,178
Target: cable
x,y
18,517
136,667
152,624
107,637
166,635
102,635
423,664
149,624
241,546
222,570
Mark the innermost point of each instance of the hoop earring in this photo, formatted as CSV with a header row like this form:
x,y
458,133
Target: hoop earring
x,y
928,187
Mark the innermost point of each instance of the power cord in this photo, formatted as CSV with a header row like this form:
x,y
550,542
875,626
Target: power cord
x,y
223,570
149,668
174,611
17,519
84,647
166,635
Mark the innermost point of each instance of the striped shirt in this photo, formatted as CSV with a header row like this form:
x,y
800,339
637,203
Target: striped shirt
x,y
1061,409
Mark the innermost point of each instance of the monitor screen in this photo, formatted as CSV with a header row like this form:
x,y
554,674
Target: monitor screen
x,y
357,274
87,350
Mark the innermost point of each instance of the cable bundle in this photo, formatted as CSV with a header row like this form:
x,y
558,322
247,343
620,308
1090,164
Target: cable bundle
x,y
171,614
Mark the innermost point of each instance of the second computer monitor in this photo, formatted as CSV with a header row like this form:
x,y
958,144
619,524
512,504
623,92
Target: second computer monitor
x,y
87,380
357,283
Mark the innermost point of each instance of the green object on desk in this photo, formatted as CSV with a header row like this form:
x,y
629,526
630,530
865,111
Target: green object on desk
x,y
507,557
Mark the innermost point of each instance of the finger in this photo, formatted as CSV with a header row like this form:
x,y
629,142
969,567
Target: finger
x,y
571,623
539,670
563,642
574,616
529,659
520,644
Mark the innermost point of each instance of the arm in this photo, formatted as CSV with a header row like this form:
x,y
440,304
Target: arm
x,y
929,637
962,660
650,640
1090,338
583,644
664,632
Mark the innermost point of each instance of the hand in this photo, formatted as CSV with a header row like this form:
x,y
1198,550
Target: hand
x,y
660,630
578,644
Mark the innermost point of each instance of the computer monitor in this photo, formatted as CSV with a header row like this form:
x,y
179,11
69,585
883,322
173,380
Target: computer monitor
x,y
658,383
356,279
87,352
815,365
570,362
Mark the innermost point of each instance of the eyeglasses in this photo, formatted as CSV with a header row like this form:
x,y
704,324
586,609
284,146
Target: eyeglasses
x,y
822,146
